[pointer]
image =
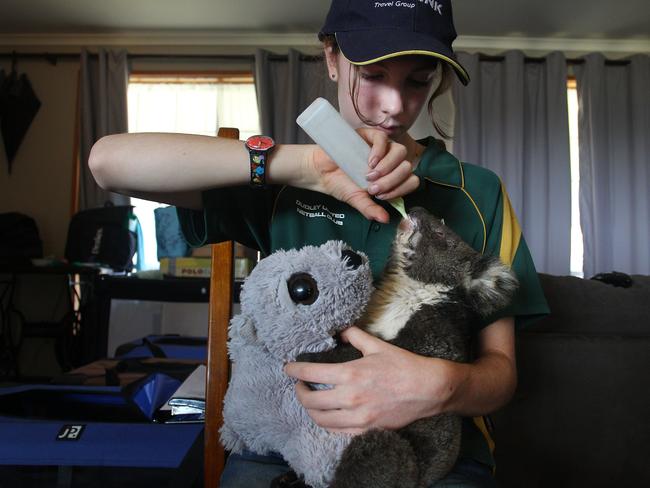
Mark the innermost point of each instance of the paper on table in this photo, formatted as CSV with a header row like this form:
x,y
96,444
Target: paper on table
x,y
190,396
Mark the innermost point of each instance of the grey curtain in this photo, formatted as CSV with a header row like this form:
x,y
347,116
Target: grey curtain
x,y
285,86
614,128
512,118
103,110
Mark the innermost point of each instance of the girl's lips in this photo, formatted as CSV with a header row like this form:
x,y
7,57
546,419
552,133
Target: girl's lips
x,y
391,129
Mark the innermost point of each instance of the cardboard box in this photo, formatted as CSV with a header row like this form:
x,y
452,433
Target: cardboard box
x,y
186,267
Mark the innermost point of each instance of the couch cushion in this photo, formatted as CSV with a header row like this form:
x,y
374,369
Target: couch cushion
x,y
579,416
593,307
580,413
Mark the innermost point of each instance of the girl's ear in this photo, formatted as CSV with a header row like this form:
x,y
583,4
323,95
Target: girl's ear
x,y
332,63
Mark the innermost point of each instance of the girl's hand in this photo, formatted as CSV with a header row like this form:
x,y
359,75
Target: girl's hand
x,y
390,175
388,388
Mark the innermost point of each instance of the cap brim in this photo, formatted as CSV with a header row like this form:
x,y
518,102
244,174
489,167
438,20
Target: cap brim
x,y
363,47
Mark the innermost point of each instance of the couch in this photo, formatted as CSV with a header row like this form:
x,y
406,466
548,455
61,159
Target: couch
x,y
581,412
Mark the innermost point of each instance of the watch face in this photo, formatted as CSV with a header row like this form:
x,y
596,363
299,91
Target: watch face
x,y
260,143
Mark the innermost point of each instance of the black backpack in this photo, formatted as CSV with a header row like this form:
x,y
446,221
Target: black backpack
x,y
19,239
105,236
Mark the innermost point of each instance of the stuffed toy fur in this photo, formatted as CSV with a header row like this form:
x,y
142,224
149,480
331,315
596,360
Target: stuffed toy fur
x,y
434,290
293,302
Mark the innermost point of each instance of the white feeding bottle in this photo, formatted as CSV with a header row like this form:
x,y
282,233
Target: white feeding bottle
x,y
341,142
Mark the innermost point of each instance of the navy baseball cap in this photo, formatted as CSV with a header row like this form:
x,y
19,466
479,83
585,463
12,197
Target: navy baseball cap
x,y
368,31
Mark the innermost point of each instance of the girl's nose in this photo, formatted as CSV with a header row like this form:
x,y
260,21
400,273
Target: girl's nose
x,y
392,101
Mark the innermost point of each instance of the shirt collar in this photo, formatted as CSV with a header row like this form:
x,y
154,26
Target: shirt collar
x,y
439,166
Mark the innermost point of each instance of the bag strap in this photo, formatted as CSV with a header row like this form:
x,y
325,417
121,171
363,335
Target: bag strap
x,y
139,257
154,348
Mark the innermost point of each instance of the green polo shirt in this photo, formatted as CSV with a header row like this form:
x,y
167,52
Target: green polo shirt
x,y
471,200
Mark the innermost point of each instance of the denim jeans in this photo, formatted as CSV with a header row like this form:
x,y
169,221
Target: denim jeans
x,y
250,470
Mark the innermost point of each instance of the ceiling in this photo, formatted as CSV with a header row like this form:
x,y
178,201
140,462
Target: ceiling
x,y
574,19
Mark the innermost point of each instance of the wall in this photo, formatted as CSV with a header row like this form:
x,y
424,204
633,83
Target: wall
x,y
41,179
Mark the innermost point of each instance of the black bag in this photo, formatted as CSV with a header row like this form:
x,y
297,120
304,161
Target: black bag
x,y
19,239
105,236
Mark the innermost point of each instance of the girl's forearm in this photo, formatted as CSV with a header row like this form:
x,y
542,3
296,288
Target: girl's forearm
x,y
489,382
177,167
481,387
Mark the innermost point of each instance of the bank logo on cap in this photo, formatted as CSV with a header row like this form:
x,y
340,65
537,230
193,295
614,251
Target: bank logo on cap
x,y
435,5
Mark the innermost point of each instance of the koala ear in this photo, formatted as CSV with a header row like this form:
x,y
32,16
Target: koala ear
x,y
242,329
491,286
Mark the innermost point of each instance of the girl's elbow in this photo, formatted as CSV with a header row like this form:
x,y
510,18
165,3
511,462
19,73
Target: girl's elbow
x,y
510,384
99,165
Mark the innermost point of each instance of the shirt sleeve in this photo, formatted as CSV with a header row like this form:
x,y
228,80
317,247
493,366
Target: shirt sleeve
x,y
241,213
505,239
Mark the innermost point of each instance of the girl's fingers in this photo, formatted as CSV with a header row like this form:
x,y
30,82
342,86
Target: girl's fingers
x,y
379,145
368,208
389,176
332,399
393,174
316,372
389,182
392,158
341,419
408,186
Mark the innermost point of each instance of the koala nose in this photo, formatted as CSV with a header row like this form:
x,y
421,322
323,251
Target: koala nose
x,y
353,259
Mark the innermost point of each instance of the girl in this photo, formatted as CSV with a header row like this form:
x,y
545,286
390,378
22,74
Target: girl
x,y
386,58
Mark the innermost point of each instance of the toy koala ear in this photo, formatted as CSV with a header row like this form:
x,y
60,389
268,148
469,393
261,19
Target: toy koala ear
x,y
491,286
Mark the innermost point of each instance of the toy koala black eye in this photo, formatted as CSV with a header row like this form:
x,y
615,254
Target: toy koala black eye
x,y
302,288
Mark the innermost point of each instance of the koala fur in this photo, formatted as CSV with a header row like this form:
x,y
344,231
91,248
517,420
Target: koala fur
x,y
435,289
293,302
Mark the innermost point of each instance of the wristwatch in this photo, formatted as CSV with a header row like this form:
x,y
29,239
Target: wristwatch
x,y
259,148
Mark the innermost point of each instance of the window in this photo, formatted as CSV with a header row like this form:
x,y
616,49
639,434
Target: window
x,y
190,104
576,263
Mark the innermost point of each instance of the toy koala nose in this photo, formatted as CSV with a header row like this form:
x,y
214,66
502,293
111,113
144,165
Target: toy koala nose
x,y
302,288
353,259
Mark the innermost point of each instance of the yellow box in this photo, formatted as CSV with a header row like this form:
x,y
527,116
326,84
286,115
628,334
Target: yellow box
x,y
186,267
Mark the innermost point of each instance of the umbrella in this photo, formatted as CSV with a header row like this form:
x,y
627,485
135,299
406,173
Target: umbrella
x,y
18,107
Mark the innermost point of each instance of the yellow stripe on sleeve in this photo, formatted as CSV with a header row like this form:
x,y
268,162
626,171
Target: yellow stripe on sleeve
x,y
510,231
482,426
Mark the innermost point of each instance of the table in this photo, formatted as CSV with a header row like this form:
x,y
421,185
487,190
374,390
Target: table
x,y
83,330
72,329
110,287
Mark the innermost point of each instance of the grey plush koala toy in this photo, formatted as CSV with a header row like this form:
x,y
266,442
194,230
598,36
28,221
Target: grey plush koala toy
x,y
293,302
434,291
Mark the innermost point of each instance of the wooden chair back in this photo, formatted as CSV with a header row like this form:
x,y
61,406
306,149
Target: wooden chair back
x,y
220,310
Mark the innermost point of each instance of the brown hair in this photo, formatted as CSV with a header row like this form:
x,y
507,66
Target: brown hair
x,y
329,41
